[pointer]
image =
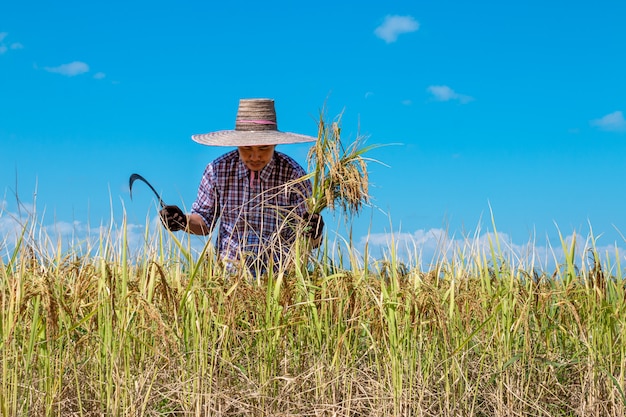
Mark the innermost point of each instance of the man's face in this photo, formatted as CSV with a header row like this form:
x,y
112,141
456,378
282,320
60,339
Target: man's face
x,y
256,157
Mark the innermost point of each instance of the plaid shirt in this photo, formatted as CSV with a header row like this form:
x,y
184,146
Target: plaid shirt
x,y
257,210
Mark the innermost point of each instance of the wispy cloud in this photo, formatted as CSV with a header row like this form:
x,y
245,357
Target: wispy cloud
x,y
70,70
445,93
26,227
4,47
394,26
612,122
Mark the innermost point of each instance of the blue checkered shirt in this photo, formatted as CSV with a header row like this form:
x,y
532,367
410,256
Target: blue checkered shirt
x,y
258,211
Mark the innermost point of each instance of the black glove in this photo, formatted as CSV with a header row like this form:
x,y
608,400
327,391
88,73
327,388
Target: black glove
x,y
173,218
313,225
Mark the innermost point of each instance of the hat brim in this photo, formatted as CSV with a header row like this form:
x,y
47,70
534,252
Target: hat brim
x,y
250,138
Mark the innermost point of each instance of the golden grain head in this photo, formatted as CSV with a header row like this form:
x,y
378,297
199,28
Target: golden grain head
x,y
340,177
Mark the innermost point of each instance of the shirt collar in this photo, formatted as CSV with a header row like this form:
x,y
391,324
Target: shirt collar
x,y
264,174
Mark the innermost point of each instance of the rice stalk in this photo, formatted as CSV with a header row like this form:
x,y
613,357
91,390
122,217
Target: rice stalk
x,y
339,174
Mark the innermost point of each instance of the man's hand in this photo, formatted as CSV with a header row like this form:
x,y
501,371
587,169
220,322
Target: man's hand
x,y
173,218
313,226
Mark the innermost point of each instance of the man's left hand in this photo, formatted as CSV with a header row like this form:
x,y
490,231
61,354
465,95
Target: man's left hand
x,y
313,225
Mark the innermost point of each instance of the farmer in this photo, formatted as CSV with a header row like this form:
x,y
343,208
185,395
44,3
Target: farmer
x,y
257,193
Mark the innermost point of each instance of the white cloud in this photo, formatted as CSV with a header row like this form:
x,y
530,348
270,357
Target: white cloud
x,y
3,46
9,226
445,93
422,247
430,238
613,122
70,70
393,26
99,75
425,248
24,226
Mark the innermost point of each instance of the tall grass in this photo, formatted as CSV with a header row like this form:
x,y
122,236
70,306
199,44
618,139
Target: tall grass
x,y
164,331
107,328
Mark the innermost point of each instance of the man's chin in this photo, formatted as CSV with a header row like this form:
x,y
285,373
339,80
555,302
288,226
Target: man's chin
x,y
256,167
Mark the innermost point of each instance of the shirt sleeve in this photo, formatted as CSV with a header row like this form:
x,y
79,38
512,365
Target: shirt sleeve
x,y
207,200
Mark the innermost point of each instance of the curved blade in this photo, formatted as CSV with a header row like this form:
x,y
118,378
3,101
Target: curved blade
x,y
134,177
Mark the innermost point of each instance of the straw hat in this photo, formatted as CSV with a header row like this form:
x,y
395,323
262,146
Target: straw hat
x,y
255,126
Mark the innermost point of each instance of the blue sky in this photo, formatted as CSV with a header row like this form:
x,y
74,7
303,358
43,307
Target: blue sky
x,y
514,108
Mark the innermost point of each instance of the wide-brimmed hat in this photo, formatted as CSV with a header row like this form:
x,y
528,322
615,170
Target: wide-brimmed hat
x,y
256,125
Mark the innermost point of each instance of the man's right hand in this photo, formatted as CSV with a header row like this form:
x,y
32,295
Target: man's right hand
x,y
173,218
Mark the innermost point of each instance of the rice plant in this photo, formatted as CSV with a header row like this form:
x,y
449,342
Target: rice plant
x,y
339,173
480,333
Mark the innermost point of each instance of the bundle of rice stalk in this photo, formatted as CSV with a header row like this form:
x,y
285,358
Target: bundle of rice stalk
x,y
338,174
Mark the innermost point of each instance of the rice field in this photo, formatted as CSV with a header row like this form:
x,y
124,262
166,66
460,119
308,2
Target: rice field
x,y
106,328
164,330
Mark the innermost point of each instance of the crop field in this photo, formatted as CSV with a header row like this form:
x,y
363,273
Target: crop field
x,y
165,331
105,328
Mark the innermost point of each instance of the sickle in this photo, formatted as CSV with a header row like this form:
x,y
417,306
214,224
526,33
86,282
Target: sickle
x,y
134,177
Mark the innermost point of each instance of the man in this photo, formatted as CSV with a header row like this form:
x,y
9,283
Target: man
x,y
257,194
